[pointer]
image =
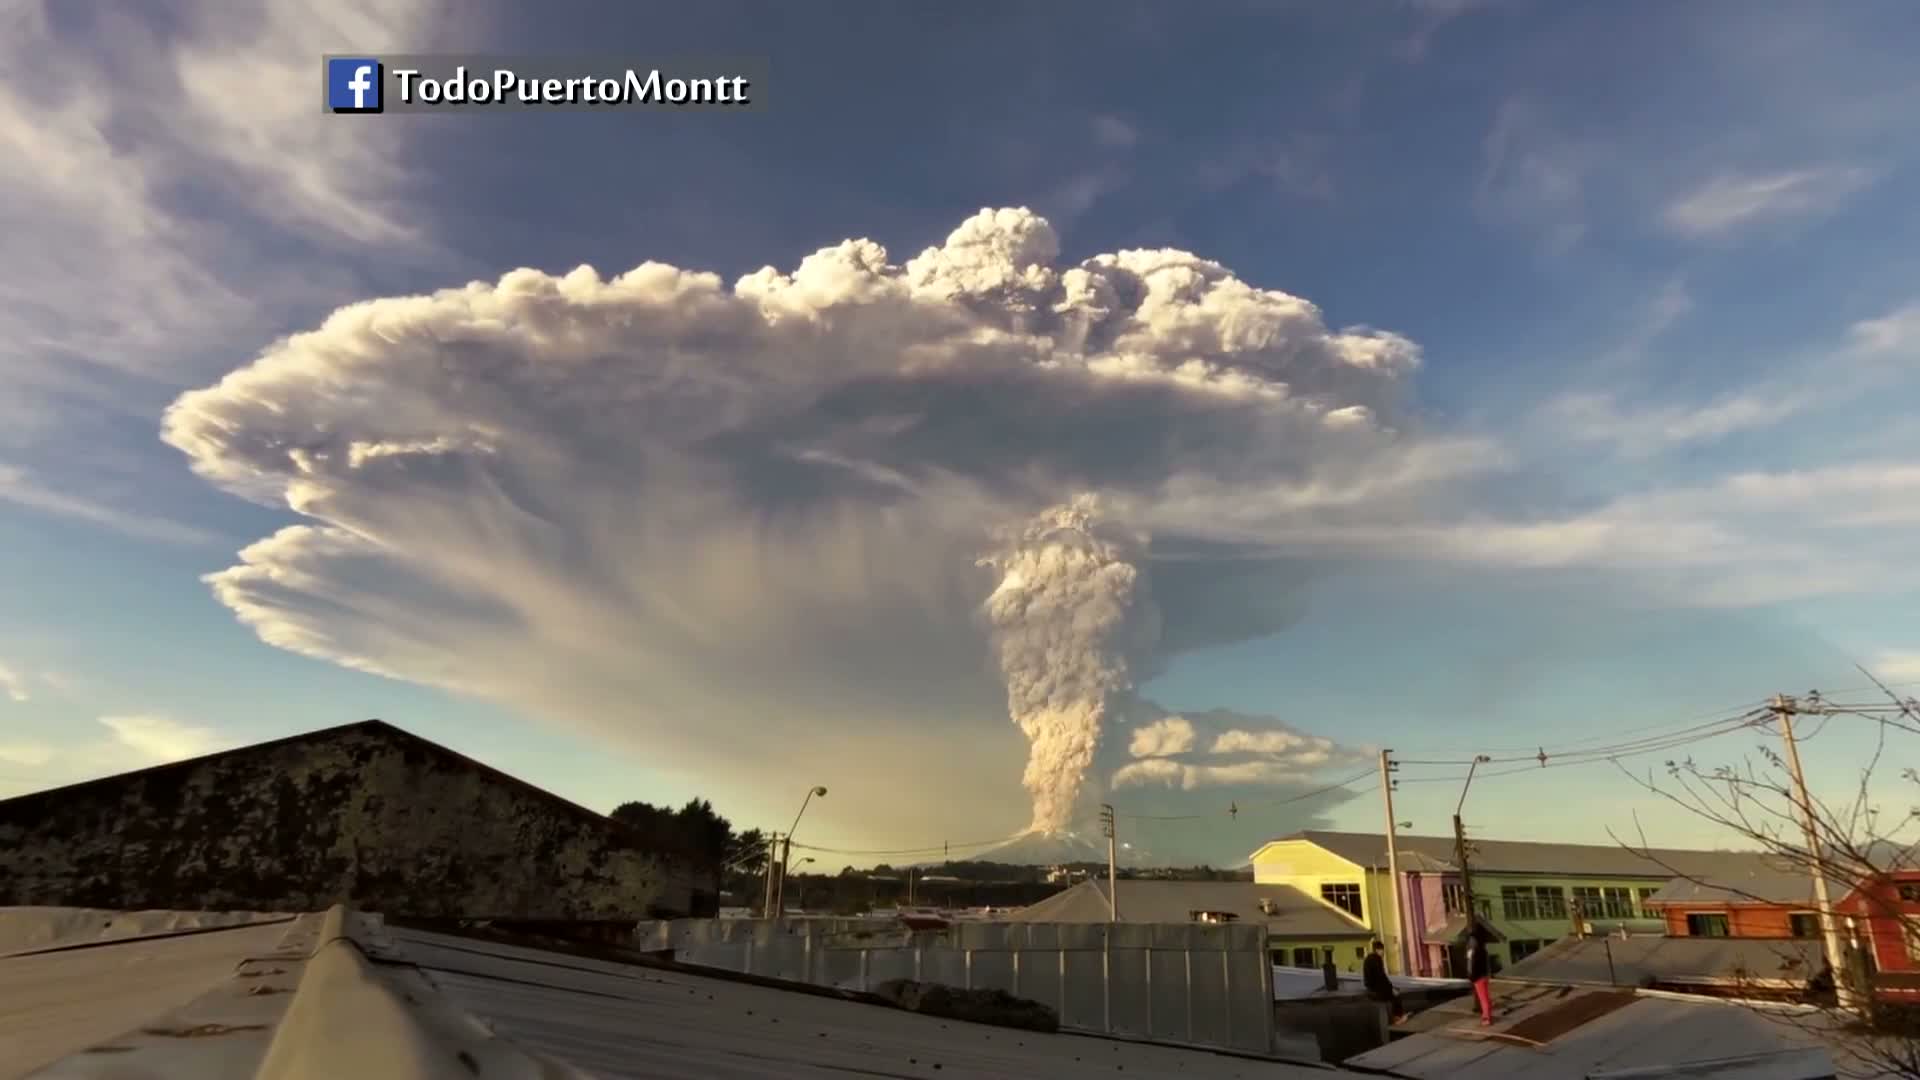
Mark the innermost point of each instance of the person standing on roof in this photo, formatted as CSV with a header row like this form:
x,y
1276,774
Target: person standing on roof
x,y
1479,969
1373,974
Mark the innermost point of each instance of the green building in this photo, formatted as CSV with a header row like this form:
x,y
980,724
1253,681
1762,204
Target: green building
x,y
1528,894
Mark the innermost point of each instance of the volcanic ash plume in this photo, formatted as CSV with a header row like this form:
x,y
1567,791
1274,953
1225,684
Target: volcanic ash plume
x,y
1072,619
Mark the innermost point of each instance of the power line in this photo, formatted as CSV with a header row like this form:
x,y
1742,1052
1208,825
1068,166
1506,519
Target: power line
x,y
1742,708
1709,729
1612,753
1302,797
943,847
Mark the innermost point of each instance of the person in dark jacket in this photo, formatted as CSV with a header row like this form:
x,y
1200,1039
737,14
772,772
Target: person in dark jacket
x,y
1373,974
1480,970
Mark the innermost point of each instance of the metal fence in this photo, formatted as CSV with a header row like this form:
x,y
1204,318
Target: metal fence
x,y
1191,983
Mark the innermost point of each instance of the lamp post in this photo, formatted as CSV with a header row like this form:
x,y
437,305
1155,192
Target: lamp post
x,y
1460,846
786,851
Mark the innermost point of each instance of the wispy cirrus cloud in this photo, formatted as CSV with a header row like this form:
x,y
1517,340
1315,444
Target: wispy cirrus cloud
x,y
157,738
1533,175
1732,201
1896,665
21,489
13,685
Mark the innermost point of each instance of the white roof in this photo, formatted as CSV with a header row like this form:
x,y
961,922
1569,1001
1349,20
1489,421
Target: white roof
x,y
1558,1032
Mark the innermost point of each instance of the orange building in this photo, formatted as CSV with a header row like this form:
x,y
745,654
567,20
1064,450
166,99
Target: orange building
x,y
1771,900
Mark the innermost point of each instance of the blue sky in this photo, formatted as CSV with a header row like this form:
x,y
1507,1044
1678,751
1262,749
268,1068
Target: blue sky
x,y
1659,264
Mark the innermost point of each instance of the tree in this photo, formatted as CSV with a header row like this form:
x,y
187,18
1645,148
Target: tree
x,y
1854,844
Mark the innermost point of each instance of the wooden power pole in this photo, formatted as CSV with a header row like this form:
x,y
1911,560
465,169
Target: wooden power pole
x,y
1393,866
1113,864
1784,708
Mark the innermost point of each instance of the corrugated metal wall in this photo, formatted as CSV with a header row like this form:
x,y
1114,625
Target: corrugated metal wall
x,y
1177,983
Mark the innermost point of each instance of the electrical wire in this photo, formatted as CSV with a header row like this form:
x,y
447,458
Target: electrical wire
x,y
1611,750
1262,804
935,849
1666,725
1637,748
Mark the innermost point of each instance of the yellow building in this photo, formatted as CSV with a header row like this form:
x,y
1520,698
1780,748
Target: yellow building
x,y
1528,894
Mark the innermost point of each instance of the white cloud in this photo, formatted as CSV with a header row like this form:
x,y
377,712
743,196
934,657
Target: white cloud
x,y
1534,176
29,754
1730,201
1114,132
627,502
1896,665
112,130
1590,417
158,739
1897,332
1222,749
1163,737
21,489
13,685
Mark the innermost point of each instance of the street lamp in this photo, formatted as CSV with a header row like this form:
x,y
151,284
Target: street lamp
x,y
1460,846
786,849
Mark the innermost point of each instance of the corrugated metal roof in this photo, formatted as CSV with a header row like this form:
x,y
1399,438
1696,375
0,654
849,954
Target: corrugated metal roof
x,y
78,994
1295,914
1435,853
618,1021
1651,1032
1635,960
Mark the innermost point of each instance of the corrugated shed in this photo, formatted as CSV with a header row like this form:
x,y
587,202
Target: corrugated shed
x,y
1585,1032
1294,913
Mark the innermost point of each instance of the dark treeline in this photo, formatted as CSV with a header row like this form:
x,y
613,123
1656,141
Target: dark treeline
x,y
734,865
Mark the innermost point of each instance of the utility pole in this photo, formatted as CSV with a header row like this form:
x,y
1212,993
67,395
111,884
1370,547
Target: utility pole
x,y
1393,865
1113,864
780,882
1460,848
773,861
1784,708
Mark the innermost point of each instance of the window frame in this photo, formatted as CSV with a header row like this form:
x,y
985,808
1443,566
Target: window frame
x,y
1798,919
1517,903
1332,891
1705,917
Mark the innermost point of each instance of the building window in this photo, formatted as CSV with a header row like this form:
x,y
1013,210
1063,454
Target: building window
x,y
1913,943
1645,895
1342,895
1552,900
1617,902
1707,925
1587,899
1805,924
1453,897
1517,902
1520,950
1306,958
1910,893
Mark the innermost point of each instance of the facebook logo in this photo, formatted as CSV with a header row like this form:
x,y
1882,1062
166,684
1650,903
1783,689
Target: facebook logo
x,y
353,85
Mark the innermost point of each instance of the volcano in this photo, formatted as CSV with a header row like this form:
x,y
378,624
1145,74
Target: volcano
x,y
1040,848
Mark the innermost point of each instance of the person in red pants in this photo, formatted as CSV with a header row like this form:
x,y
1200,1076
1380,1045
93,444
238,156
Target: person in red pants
x,y
1480,971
